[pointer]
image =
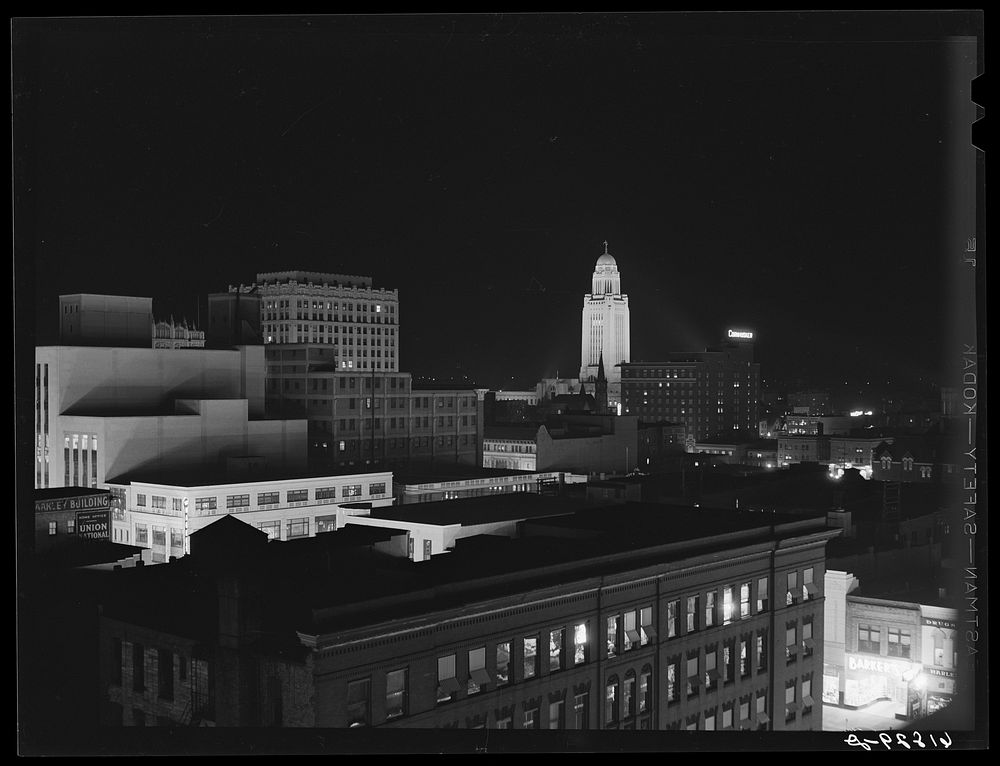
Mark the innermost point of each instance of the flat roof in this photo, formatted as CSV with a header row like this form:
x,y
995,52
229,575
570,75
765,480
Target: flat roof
x,y
469,511
218,476
436,474
302,586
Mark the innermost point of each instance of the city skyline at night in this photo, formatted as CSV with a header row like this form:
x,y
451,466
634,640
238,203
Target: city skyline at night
x,y
579,372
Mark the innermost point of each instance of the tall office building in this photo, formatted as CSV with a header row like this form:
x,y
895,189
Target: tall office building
x,y
605,326
714,393
359,322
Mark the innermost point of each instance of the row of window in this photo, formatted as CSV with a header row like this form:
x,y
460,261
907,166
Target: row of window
x,y
899,641
703,670
625,698
159,537
731,716
165,668
210,503
318,304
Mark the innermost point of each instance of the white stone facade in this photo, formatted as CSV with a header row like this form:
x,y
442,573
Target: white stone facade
x,y
605,326
163,516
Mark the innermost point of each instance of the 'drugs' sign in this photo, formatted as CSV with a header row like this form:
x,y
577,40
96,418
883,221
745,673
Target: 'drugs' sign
x,y
94,524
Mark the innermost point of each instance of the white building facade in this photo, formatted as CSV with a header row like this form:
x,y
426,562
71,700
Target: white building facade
x,y
102,412
510,453
605,327
163,516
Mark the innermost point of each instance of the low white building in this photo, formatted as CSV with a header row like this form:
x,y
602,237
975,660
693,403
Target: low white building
x,y
434,528
162,514
511,448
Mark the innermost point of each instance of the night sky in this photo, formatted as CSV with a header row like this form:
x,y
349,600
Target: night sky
x,y
779,173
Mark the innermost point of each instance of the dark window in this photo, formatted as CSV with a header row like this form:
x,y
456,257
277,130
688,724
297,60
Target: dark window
x,y
165,674
396,691
116,661
869,639
581,711
899,643
359,703
138,668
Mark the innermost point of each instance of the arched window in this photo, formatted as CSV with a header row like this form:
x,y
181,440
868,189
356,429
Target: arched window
x,y
907,463
645,690
628,695
611,702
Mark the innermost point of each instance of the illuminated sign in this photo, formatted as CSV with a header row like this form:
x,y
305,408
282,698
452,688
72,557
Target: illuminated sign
x,y
894,668
936,623
94,524
82,503
743,334
940,673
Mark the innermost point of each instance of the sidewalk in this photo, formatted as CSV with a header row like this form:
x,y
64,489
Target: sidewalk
x,y
879,716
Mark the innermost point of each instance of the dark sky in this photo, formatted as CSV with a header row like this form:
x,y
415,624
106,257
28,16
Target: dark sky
x,y
778,172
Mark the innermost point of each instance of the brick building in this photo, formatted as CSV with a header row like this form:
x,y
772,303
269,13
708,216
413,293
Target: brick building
x,y
679,619
371,418
715,393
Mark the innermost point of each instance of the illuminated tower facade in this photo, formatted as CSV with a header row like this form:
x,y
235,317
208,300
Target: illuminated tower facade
x,y
605,327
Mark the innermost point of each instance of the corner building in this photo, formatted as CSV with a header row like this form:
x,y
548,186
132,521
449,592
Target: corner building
x,y
358,322
678,620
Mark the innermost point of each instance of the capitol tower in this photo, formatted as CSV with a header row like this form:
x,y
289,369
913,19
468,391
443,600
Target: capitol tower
x,y
605,333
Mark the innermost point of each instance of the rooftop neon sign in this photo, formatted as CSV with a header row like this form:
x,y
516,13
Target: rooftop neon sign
x,y
744,334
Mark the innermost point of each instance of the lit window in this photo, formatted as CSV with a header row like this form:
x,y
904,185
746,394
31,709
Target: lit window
x,y
503,663
611,701
555,650
530,657
612,635
580,645
727,605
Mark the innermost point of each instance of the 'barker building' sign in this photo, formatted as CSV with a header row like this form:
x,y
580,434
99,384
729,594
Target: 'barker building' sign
x,y
81,503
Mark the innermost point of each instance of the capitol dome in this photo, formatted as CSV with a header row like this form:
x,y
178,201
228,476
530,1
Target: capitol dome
x,y
607,260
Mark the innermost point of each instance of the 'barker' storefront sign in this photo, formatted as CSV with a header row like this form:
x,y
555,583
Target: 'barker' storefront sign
x,y
94,524
893,668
